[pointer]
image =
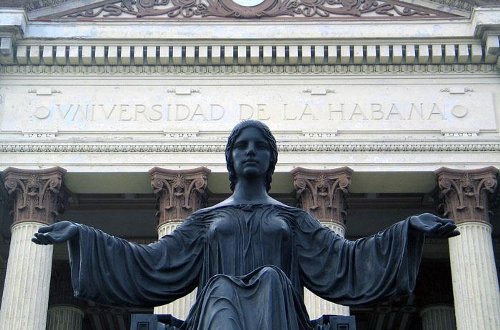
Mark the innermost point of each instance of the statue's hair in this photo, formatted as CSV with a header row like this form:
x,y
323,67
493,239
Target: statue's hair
x,y
266,132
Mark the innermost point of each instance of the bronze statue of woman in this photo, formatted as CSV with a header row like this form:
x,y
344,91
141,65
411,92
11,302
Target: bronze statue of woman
x,y
250,255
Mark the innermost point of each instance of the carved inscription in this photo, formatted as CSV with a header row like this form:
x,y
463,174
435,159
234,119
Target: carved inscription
x,y
125,112
157,110
131,112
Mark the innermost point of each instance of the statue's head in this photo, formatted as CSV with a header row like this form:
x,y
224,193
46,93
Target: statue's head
x,y
266,134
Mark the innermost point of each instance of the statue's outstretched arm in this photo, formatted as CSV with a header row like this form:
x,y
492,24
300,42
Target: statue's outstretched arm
x,y
56,233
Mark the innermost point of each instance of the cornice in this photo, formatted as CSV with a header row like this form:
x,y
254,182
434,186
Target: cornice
x,y
365,147
456,4
37,4
243,53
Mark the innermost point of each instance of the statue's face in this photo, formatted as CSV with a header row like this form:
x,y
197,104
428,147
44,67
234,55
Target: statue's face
x,y
251,154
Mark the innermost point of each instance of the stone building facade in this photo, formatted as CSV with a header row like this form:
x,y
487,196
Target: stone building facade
x,y
114,113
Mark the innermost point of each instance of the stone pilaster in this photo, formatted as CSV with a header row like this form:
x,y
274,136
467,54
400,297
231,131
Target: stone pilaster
x,y
178,194
65,317
37,199
466,197
438,317
322,193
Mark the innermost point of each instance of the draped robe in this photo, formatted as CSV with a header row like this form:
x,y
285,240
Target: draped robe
x,y
250,263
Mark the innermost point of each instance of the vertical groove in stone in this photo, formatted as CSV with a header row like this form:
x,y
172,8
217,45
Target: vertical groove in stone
x,y
64,318
438,317
26,293
475,283
179,308
316,306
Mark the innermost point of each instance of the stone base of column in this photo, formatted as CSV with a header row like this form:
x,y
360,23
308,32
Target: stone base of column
x,y
438,317
474,277
64,317
181,307
28,272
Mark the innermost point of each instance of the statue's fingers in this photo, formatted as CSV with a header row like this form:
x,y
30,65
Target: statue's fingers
x,y
44,238
454,233
36,241
446,229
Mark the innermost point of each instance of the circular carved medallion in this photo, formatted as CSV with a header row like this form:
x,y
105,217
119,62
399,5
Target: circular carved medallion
x,y
248,8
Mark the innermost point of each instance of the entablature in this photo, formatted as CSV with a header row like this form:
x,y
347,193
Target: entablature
x,y
251,42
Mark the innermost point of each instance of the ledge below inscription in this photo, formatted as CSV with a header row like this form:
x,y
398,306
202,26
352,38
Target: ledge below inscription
x,y
283,147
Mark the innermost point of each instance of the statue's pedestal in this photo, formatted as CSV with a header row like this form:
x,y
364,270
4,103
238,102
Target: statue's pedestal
x,y
168,322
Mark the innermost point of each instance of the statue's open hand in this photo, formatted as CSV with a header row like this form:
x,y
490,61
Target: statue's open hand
x,y
58,232
434,226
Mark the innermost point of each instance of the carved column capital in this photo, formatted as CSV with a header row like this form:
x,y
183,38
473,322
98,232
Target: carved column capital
x,y
178,192
38,195
322,192
466,193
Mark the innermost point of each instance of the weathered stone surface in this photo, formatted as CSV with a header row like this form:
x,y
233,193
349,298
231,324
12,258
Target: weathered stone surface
x,y
179,192
38,195
466,194
322,192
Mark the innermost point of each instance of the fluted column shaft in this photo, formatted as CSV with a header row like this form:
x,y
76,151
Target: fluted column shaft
x,y
36,201
178,194
65,318
322,193
438,317
475,281
474,276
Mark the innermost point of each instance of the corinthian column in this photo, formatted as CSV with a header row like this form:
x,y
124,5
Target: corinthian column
x,y
178,194
37,199
475,283
322,193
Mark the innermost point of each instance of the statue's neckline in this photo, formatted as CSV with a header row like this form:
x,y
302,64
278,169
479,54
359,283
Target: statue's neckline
x,y
246,206
250,206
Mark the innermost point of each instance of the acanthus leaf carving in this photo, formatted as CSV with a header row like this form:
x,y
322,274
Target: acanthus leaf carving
x,y
323,192
178,192
466,194
228,9
38,195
